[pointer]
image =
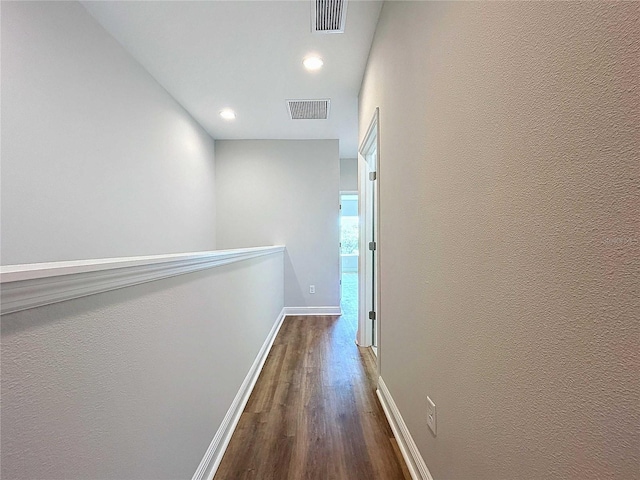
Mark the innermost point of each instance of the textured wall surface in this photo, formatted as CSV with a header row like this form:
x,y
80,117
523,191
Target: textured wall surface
x,y
509,235
284,192
132,383
98,160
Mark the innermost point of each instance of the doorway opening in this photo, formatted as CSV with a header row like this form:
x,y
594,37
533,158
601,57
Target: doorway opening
x,y
368,161
349,252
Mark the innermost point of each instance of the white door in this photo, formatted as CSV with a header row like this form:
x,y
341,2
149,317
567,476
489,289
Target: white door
x,y
368,328
371,248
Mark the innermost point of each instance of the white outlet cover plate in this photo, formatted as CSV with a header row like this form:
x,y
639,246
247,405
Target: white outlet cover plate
x,y
431,415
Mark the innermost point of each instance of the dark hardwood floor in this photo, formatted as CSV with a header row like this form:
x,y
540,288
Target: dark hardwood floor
x,y
313,413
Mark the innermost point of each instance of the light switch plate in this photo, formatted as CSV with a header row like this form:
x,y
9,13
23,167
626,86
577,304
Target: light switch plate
x,y
312,289
431,415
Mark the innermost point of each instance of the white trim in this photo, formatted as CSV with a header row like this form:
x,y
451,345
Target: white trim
x,y
415,462
213,456
37,284
367,141
370,140
310,311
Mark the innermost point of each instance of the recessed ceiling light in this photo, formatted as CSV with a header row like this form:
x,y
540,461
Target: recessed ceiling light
x,y
228,114
312,62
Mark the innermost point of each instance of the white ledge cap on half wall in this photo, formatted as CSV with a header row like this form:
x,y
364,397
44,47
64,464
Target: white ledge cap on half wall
x,y
37,284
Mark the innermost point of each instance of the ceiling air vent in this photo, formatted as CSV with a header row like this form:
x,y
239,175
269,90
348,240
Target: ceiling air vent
x,y
308,109
328,16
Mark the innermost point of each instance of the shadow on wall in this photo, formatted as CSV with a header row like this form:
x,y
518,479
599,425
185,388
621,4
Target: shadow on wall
x,y
293,293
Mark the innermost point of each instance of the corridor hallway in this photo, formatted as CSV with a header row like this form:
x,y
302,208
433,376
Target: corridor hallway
x,y
314,413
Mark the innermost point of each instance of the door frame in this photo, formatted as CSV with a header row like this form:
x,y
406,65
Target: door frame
x,y
370,143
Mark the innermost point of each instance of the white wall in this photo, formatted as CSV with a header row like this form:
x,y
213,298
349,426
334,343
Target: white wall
x,y
284,192
132,383
509,235
348,174
97,159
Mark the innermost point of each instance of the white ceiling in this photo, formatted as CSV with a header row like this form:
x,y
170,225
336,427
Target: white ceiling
x,y
247,55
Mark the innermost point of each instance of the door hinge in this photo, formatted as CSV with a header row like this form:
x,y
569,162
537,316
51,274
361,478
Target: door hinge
x,y
372,246
372,315
372,176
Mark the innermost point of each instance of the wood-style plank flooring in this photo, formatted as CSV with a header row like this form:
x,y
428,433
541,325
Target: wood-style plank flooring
x,y
313,413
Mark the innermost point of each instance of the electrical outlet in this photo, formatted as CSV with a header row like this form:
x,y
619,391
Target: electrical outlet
x,y
312,289
431,415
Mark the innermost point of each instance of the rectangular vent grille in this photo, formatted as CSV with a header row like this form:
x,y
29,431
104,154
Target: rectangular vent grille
x,y
328,16
308,109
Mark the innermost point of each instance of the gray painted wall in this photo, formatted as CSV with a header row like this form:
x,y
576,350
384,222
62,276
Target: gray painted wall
x,y
97,159
349,174
284,192
509,234
132,383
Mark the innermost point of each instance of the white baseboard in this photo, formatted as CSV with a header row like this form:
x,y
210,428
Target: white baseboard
x,y
312,311
213,456
415,462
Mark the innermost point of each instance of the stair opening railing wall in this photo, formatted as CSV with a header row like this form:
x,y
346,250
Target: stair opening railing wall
x,y
136,367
